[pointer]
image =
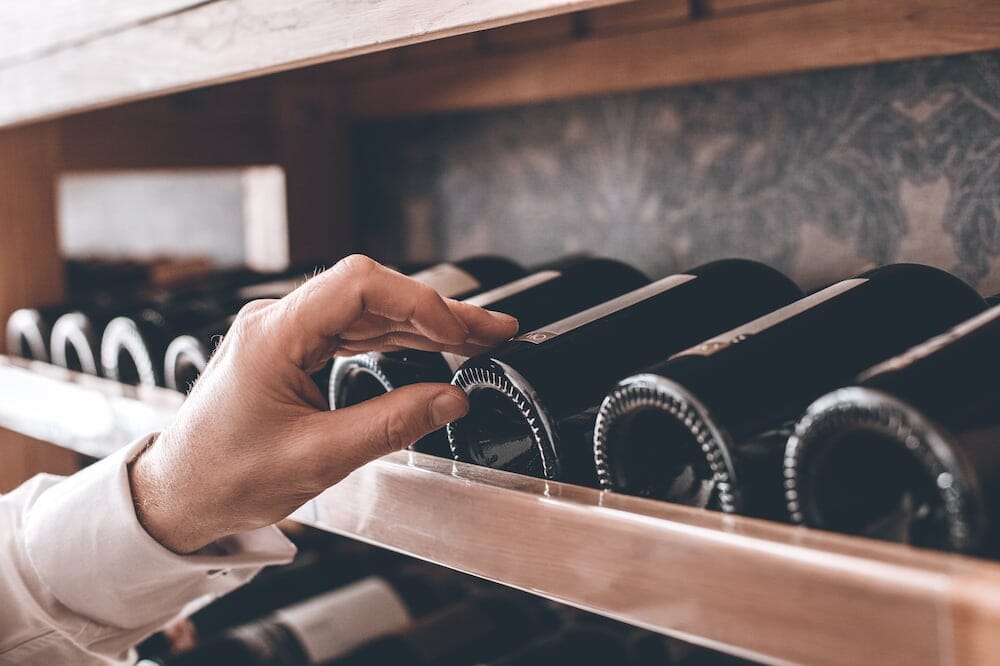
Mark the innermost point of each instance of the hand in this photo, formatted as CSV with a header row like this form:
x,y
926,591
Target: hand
x,y
255,439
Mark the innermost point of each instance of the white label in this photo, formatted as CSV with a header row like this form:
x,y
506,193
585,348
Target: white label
x,y
511,288
333,624
741,333
275,289
447,279
604,309
925,349
454,361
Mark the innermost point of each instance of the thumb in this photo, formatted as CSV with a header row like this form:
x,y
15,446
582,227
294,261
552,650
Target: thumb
x,y
355,435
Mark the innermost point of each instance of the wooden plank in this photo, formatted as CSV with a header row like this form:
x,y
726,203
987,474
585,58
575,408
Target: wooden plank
x,y
644,14
765,591
79,412
975,616
771,592
809,36
31,270
224,40
314,150
36,26
225,126
438,50
369,63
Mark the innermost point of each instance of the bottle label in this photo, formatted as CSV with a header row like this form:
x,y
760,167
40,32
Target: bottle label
x,y
604,309
925,349
333,624
761,324
274,289
454,361
447,279
511,288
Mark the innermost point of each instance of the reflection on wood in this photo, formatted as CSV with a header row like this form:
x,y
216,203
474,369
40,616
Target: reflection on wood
x,y
763,590
87,414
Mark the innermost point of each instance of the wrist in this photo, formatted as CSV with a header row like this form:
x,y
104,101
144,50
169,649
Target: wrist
x,y
157,506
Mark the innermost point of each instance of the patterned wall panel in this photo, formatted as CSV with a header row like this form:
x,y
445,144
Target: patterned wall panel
x,y
821,174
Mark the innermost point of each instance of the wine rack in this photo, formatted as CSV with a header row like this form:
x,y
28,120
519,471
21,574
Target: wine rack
x,y
771,592
96,90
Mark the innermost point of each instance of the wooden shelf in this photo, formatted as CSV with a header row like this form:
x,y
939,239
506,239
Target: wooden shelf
x,y
93,57
401,57
87,414
766,591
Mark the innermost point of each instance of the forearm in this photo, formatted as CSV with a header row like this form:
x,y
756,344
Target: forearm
x,y
82,582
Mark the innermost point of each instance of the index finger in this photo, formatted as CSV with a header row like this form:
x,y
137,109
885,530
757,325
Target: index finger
x,y
311,318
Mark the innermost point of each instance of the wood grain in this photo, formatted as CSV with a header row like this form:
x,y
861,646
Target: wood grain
x,y
34,27
788,38
226,40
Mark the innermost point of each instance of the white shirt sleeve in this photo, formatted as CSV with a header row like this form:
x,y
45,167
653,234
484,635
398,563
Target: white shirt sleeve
x,y
81,581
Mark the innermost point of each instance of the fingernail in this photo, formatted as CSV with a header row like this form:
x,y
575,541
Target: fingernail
x,y
447,407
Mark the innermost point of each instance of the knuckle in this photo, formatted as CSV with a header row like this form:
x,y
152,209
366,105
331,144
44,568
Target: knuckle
x,y
396,432
357,265
249,321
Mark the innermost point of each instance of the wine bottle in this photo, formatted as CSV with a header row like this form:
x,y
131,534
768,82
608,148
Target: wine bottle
x,y
911,451
467,277
133,348
478,628
187,355
76,336
327,626
708,426
532,399
553,292
27,332
89,283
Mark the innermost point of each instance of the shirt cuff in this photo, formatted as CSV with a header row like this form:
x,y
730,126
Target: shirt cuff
x,y
89,550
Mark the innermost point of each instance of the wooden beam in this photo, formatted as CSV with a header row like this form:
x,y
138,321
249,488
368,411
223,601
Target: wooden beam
x,y
225,40
643,14
789,38
31,269
532,33
217,127
313,148
35,27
